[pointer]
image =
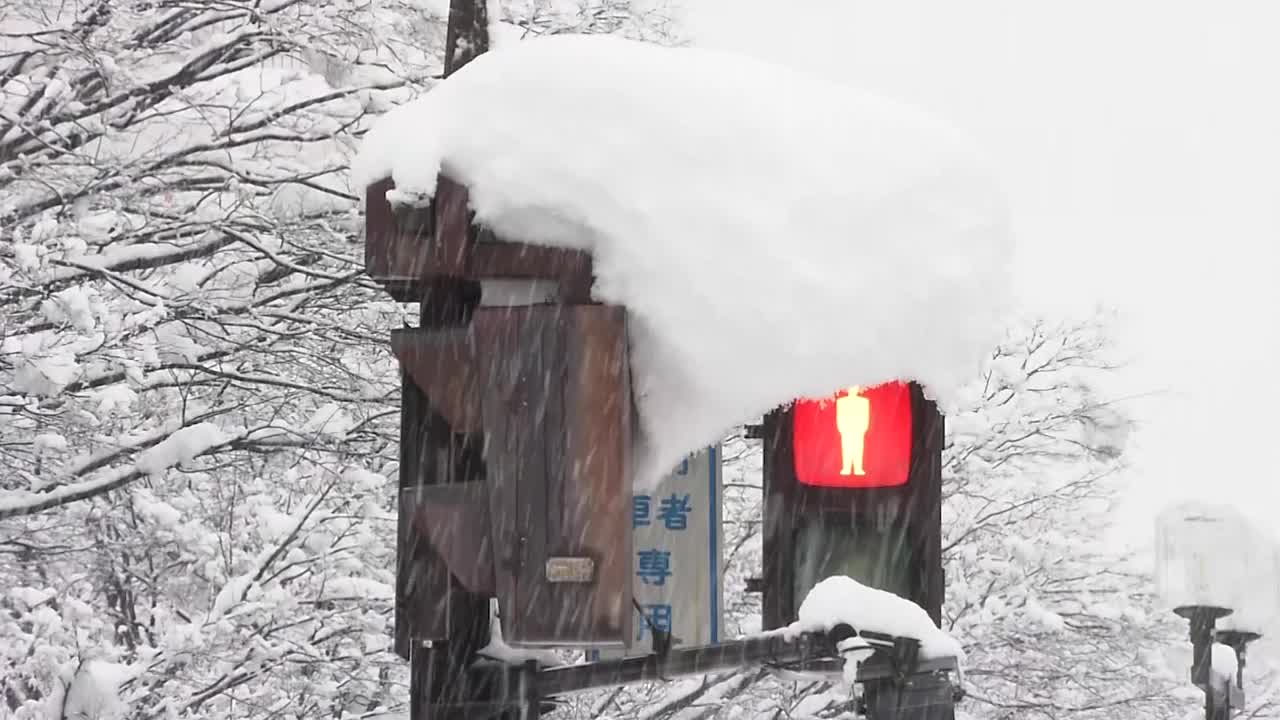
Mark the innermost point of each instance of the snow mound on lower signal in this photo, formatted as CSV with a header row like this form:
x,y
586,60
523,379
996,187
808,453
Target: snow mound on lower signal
x,y
773,235
839,599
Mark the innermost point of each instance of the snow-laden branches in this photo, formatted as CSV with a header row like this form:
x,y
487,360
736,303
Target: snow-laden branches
x,y
1055,622
197,409
178,228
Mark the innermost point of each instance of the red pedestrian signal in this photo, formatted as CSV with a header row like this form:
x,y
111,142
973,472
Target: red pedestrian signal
x,y
853,486
861,438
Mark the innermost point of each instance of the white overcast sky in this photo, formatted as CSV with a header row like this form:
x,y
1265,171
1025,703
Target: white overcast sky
x,y
1139,141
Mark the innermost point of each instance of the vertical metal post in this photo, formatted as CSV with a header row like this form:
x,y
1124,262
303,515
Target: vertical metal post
x,y
438,670
445,623
924,504
1202,619
468,33
778,603
530,699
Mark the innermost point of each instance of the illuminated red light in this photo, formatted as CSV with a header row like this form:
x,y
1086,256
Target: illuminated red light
x,y
861,438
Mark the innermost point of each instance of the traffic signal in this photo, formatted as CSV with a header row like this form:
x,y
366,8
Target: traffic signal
x,y
515,470
544,525
852,486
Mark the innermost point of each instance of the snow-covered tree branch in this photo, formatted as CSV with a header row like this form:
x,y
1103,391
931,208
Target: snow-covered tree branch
x,y
198,419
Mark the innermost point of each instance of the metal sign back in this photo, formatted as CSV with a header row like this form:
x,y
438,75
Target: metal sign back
x,y
549,388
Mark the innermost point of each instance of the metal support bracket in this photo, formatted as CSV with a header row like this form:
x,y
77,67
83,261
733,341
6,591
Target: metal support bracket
x,y
894,670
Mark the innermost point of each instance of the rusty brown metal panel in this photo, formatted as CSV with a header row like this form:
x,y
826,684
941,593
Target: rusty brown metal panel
x,y
493,257
379,229
452,233
557,377
596,470
409,248
778,606
559,470
532,605
549,387
498,331
397,248
467,34
421,591
455,519
440,470
422,576
446,366
435,254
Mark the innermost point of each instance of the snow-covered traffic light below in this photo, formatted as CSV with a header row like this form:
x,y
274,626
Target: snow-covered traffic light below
x,y
853,487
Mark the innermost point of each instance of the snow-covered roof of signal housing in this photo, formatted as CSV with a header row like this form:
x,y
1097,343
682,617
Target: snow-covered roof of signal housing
x,y
773,235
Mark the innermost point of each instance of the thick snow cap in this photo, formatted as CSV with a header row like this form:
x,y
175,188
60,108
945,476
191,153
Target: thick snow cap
x,y
1211,554
773,235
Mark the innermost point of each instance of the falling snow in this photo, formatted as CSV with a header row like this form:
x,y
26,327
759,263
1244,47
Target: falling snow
x,y
199,415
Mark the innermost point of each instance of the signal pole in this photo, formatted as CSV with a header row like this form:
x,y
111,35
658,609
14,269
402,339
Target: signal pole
x,y
468,33
1202,619
432,454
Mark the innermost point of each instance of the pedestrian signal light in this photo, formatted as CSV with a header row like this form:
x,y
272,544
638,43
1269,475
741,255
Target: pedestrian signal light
x,y
833,543
861,438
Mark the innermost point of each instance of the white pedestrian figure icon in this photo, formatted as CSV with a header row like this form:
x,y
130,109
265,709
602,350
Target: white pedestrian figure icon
x,y
853,417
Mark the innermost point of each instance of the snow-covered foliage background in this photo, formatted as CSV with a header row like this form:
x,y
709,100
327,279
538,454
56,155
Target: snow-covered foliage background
x,y
198,416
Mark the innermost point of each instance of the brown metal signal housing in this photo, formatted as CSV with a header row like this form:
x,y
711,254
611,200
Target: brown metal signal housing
x,y
516,436
549,388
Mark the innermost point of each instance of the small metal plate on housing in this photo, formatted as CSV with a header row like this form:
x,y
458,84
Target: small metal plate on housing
x,y
570,569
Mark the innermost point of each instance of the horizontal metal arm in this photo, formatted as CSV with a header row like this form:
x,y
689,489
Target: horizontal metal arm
x,y
490,690
809,652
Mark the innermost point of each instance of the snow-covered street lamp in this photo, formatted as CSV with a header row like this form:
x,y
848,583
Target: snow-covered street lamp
x,y
1215,666
1220,573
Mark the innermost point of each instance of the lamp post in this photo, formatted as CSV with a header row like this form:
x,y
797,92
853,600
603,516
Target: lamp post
x,y
1202,619
1211,562
1218,701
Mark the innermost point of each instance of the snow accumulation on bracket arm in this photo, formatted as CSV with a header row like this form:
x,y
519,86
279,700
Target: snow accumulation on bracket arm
x,y
425,254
